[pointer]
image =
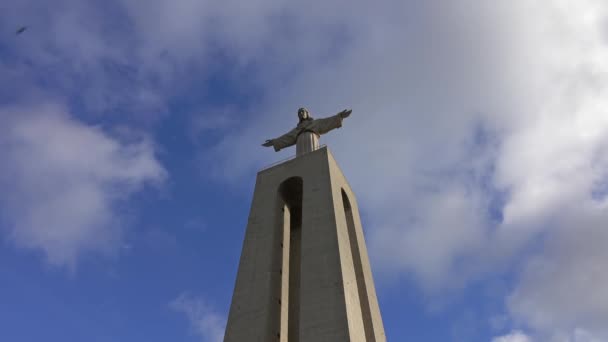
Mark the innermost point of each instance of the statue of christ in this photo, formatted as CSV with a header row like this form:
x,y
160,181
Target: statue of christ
x,y
306,135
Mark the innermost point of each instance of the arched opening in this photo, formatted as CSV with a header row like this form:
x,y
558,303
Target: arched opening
x,y
290,192
358,265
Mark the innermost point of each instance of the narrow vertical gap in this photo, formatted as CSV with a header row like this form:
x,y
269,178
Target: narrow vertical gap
x,y
285,248
291,195
294,274
358,264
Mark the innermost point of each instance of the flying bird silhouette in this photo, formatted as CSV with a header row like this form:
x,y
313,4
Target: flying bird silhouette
x,y
21,29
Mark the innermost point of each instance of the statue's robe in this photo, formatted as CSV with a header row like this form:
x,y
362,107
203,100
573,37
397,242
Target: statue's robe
x,y
317,126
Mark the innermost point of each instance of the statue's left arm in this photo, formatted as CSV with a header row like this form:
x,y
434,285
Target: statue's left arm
x,y
322,126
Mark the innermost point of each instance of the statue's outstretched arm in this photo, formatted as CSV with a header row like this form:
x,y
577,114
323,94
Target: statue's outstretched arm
x,y
283,141
322,126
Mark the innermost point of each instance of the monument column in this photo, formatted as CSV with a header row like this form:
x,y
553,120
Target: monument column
x,y
304,273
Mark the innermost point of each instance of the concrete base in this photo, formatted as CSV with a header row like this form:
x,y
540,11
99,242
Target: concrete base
x,y
304,273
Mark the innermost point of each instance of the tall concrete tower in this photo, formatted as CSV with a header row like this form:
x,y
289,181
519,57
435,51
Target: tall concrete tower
x,y
304,273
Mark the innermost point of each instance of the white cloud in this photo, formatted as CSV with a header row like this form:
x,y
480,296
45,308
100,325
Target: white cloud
x,y
475,126
516,336
424,89
577,335
563,287
400,248
62,182
145,54
205,322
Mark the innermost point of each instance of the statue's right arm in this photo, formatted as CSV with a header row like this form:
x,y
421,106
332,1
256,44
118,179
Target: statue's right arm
x,y
283,141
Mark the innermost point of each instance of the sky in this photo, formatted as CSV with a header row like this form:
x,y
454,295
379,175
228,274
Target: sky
x,y
130,139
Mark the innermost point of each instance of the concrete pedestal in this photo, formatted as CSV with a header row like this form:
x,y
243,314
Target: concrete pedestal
x,y
304,273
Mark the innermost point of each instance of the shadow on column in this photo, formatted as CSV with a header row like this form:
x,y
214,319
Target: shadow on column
x,y
356,254
291,193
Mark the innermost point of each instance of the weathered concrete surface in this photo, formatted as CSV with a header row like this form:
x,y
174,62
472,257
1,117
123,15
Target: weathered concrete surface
x,y
320,231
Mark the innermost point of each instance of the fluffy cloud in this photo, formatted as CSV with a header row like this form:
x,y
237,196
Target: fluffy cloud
x,y
578,335
118,55
516,336
205,322
563,288
62,182
475,129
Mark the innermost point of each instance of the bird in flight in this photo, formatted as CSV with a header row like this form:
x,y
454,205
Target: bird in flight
x,y
21,29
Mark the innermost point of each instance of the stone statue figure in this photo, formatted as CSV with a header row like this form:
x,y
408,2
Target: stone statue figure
x,y
306,135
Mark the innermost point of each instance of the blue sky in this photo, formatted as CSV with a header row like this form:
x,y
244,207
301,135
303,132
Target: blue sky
x,y
130,138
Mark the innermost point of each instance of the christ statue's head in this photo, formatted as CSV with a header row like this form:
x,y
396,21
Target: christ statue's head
x,y
303,114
